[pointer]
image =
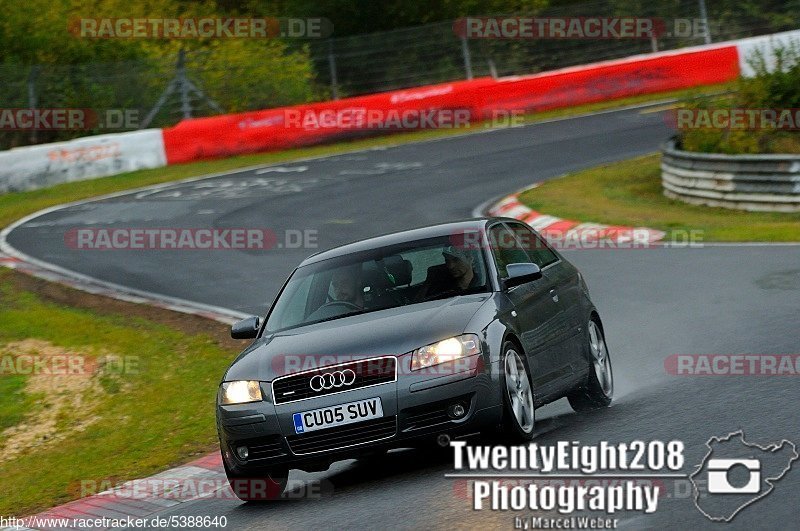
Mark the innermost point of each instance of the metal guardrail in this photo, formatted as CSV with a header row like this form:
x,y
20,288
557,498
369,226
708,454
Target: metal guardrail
x,y
762,183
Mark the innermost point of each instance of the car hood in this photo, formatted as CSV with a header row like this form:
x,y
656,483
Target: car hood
x,y
393,332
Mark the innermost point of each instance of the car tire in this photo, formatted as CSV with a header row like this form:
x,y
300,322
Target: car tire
x,y
598,390
518,404
263,486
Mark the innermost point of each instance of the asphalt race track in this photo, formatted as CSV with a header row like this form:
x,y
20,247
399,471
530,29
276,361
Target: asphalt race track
x,y
656,302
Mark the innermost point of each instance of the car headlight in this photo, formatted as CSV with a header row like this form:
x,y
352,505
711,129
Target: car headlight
x,y
445,350
240,392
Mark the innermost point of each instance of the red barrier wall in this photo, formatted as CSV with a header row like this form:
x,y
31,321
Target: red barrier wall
x,y
288,127
614,79
283,128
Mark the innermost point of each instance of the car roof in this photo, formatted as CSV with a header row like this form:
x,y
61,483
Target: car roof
x,y
421,233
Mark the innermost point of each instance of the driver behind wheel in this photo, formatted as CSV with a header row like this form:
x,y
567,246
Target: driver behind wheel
x,y
457,274
346,285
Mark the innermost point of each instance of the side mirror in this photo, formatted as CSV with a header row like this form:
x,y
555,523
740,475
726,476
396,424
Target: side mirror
x,y
520,274
246,328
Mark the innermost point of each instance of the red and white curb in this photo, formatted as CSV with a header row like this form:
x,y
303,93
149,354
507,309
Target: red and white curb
x,y
565,234
8,261
138,499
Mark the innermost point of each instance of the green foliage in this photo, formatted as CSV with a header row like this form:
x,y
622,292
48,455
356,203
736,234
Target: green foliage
x,y
259,75
15,403
39,48
356,17
774,85
376,46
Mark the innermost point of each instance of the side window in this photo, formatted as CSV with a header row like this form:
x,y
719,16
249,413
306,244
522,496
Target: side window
x,y
538,251
506,249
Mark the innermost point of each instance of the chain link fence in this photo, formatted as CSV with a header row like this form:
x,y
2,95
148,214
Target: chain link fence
x,y
161,92
433,53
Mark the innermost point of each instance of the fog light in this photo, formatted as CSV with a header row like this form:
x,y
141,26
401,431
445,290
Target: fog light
x,y
242,452
457,410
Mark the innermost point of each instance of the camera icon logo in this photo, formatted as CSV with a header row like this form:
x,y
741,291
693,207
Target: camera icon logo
x,y
735,473
718,476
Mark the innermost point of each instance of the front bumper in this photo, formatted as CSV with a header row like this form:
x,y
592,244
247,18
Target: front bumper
x,y
415,409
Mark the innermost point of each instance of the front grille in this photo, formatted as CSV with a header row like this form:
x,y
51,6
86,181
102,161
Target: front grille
x,y
373,371
343,436
266,448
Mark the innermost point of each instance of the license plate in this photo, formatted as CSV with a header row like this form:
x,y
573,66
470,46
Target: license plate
x,y
330,417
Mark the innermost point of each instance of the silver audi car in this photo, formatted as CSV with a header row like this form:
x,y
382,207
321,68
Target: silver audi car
x,y
408,339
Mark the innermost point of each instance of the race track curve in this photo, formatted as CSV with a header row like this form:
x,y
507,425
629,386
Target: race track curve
x,y
655,302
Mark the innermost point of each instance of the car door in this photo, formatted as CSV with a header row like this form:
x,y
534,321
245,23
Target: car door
x,y
534,307
564,292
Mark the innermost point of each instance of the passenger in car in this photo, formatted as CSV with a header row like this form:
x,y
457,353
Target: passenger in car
x,y
457,274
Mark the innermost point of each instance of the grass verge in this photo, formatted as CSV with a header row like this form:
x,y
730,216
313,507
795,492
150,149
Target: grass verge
x,y
629,193
141,401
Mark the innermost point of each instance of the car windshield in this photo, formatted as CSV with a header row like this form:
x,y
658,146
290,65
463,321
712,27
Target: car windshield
x,y
378,279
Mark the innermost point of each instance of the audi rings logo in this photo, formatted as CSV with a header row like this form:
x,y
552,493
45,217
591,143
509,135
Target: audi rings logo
x,y
332,380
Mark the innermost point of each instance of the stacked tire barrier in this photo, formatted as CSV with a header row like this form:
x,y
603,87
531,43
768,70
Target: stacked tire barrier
x,y
765,183
303,125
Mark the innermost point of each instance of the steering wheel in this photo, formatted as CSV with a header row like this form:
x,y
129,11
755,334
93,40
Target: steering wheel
x,y
341,303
